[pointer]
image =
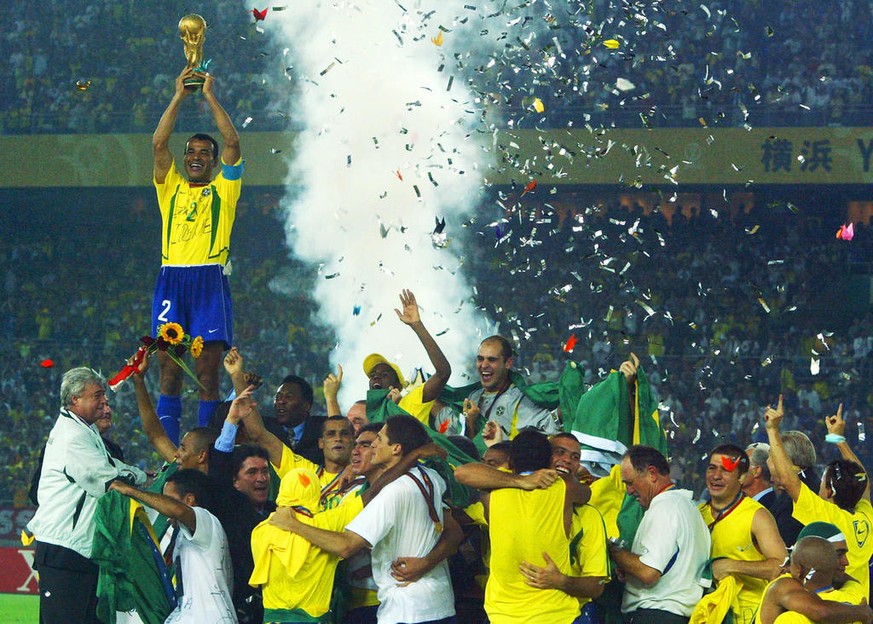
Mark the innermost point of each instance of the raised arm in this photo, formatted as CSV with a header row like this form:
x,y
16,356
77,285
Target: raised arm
x,y
332,384
233,365
229,136
245,408
443,370
484,477
837,427
151,424
782,468
629,368
161,137
165,505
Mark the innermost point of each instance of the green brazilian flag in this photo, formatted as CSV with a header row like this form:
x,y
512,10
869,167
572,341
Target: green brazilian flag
x,y
380,407
133,574
606,424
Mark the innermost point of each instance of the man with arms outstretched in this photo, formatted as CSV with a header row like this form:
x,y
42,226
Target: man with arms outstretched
x,y
197,215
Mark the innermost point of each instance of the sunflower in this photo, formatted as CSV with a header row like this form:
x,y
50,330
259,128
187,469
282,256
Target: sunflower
x,y
196,347
171,332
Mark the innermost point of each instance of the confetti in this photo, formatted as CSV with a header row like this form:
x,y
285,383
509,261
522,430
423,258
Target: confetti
x,y
846,232
438,237
82,85
444,426
623,84
730,464
47,363
538,105
814,366
612,44
356,311
438,40
259,16
530,187
399,175
570,344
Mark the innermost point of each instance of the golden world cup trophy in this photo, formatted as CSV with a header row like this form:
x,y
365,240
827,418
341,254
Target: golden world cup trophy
x,y
192,32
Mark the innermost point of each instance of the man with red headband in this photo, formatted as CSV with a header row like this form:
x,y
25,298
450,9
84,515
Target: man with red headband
x,y
746,544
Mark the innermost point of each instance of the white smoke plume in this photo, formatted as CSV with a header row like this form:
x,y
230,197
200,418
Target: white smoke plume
x,y
388,146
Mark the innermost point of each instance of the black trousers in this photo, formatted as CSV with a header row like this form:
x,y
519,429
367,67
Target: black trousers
x,y
67,585
653,616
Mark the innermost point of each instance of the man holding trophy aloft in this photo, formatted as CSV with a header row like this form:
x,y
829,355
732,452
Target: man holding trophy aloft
x,y
197,214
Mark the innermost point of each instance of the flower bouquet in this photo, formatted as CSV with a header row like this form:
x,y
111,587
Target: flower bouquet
x,y
172,340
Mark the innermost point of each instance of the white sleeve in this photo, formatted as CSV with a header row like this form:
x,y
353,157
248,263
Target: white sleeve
x,y
89,465
204,533
377,519
659,543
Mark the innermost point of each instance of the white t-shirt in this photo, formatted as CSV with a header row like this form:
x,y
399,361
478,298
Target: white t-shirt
x,y
673,539
204,570
396,523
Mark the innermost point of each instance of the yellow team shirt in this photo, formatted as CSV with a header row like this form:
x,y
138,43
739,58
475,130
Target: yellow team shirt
x,y
196,220
588,554
854,525
414,405
835,595
294,574
331,495
523,525
732,538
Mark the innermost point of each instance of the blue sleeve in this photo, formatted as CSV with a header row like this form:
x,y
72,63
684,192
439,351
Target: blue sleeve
x,y
233,172
227,438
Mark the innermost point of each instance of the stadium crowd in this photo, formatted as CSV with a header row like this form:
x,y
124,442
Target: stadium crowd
x,y
643,442
756,54
710,341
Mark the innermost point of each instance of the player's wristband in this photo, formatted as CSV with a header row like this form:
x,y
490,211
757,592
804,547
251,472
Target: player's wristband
x,y
834,438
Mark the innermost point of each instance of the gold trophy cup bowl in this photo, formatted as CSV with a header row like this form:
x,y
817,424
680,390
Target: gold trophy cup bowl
x,y
192,32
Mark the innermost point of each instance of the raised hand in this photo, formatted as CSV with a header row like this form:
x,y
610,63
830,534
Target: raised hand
x,y
835,423
773,417
242,406
410,313
143,365
629,368
333,382
233,362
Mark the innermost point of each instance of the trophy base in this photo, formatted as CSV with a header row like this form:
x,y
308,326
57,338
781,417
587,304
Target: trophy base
x,y
194,83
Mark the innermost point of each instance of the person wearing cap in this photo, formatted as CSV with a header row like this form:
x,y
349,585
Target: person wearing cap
x,y
811,572
844,495
842,581
386,375
746,544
